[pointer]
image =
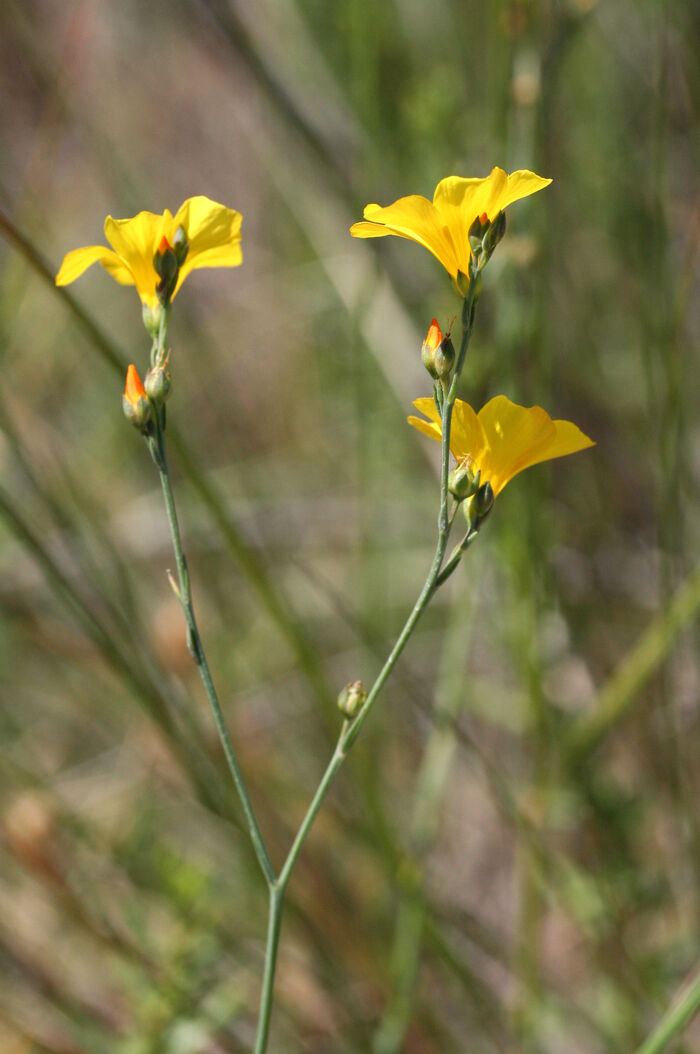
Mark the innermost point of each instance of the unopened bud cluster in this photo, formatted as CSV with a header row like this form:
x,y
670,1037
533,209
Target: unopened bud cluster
x,y
141,400
484,236
167,262
438,353
465,485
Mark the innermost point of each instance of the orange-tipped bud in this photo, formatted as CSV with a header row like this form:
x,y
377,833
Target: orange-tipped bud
x,y
134,389
477,231
430,347
438,354
135,402
434,336
167,266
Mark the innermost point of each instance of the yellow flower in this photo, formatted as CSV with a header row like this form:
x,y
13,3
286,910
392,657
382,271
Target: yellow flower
x,y
442,225
503,438
212,233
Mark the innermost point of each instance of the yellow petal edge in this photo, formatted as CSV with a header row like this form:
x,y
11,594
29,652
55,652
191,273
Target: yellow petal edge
x,y
503,438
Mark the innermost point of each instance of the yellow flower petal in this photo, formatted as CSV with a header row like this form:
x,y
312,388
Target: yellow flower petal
x,y
78,260
214,234
442,226
519,185
459,202
135,241
568,439
504,438
516,437
117,269
415,218
432,427
467,440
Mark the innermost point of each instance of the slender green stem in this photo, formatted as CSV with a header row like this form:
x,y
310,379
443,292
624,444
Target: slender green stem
x,y
156,445
197,649
351,729
444,525
455,558
274,924
334,764
675,1020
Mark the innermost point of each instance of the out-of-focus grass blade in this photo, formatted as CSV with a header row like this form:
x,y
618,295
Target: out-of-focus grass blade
x,y
651,649
675,1020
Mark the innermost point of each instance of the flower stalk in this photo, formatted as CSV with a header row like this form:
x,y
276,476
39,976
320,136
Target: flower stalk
x,y
156,446
461,227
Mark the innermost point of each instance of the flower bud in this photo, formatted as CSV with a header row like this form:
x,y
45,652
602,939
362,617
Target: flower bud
x,y
477,508
151,318
461,284
494,234
437,353
135,403
462,481
477,231
157,383
352,698
430,346
444,358
181,245
166,266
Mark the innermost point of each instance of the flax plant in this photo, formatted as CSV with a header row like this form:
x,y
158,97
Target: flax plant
x,y
461,227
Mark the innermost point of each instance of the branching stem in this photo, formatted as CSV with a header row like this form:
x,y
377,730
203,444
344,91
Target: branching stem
x,y
277,884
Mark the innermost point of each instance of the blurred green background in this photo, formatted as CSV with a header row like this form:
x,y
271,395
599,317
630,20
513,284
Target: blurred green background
x,y
547,898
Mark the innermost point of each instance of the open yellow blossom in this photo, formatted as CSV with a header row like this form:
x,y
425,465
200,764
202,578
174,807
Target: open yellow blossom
x,y
503,438
442,225
212,236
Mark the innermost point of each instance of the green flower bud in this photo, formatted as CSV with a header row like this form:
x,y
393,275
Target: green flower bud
x,y
494,234
478,506
181,245
444,358
461,284
166,266
157,383
351,699
477,231
151,318
462,482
